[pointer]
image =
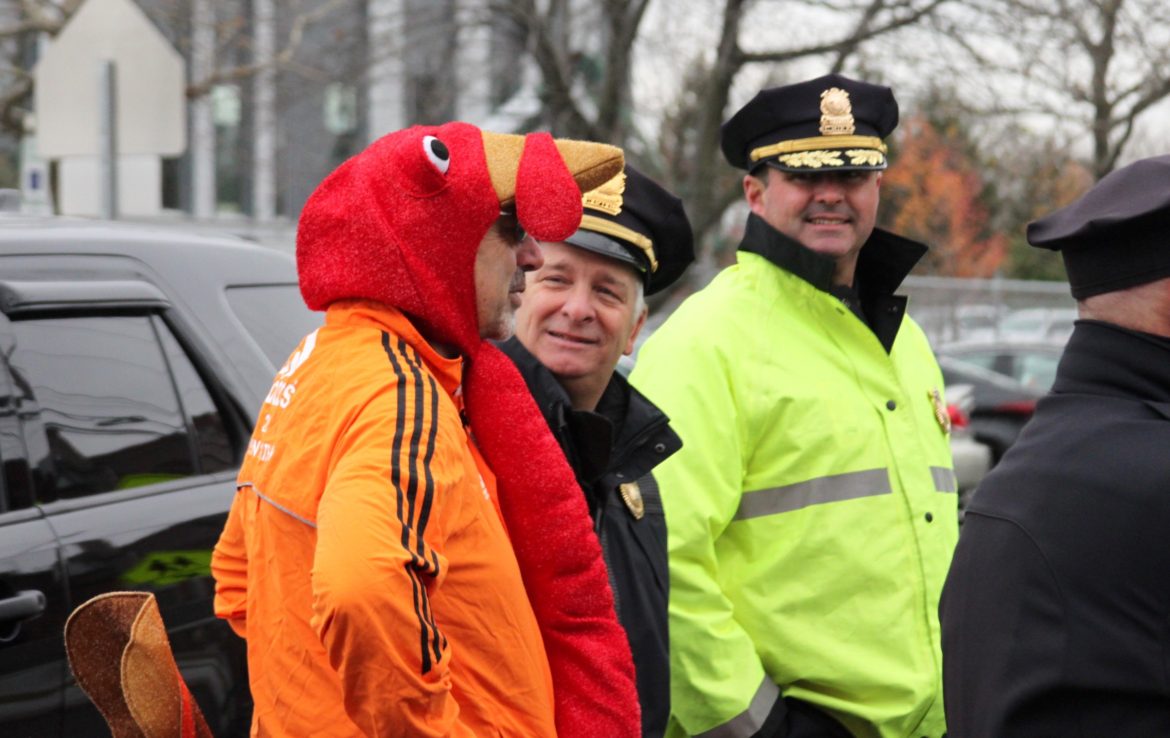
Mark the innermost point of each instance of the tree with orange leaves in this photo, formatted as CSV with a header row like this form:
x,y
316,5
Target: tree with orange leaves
x,y
933,193
1035,178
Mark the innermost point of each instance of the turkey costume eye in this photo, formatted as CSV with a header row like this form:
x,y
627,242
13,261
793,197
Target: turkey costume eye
x,y
437,153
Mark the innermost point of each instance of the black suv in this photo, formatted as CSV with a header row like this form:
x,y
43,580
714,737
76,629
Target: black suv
x,y
133,362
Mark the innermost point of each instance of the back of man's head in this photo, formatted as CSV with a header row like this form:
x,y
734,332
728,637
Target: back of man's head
x,y
1115,248
1145,307
1114,236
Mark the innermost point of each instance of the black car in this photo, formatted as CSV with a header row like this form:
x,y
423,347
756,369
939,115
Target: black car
x,y
133,362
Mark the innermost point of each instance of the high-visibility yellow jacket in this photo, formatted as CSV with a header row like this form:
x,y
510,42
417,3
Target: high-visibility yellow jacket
x,y
364,558
811,512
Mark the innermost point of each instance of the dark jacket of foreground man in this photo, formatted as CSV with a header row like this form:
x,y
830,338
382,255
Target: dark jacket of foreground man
x,y
1056,612
618,444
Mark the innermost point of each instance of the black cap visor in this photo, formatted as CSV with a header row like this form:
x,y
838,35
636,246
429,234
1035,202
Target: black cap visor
x,y
607,246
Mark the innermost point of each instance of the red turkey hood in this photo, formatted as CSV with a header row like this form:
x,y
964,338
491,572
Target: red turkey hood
x,y
400,224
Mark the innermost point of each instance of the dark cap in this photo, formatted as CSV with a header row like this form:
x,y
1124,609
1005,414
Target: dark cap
x,y
828,123
631,218
1116,235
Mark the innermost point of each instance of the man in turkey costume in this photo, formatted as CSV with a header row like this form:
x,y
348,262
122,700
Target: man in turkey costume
x,y
408,553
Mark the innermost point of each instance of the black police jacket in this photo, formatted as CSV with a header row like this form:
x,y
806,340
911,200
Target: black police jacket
x,y
610,451
1056,611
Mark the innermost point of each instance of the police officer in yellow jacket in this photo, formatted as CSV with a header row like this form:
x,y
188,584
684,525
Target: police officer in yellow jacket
x,y
811,511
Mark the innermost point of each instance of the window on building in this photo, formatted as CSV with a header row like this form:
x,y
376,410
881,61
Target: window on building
x,y
340,113
227,113
430,45
172,187
507,45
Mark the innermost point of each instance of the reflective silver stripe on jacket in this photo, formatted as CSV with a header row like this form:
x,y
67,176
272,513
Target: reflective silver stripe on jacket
x,y
274,503
833,488
745,724
944,479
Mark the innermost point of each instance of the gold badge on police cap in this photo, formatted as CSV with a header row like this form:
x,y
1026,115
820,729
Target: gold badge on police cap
x,y
836,113
632,496
940,410
608,197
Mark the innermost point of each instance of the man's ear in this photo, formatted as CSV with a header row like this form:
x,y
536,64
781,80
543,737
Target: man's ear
x,y
641,321
753,192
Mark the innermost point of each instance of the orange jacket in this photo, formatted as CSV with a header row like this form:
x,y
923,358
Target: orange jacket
x,y
364,558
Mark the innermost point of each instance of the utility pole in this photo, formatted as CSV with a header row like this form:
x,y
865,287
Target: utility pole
x,y
202,123
264,111
108,138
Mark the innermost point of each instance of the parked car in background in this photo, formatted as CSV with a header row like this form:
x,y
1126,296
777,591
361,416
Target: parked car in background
x,y
1032,364
133,363
1037,324
949,322
972,457
1001,407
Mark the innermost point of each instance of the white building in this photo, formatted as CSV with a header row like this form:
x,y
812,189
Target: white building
x,y
280,92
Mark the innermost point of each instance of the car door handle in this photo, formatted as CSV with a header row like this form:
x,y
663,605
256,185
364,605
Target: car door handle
x,y
26,604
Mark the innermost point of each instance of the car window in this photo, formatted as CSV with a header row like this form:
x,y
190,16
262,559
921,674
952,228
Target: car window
x,y
1060,329
107,405
1025,321
1036,370
276,317
214,446
14,488
986,360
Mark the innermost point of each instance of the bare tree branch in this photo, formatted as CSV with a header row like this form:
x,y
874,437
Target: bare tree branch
x,y
285,58
860,34
1096,64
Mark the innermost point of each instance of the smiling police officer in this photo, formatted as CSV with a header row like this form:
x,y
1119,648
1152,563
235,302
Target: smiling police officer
x,y
808,535
580,313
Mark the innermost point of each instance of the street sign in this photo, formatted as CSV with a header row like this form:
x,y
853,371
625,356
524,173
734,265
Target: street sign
x,y
151,80
35,188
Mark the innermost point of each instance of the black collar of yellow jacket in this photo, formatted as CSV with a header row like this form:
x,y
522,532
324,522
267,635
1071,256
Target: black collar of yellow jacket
x,y
882,265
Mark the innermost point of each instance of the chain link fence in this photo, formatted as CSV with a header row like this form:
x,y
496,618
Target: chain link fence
x,y
953,310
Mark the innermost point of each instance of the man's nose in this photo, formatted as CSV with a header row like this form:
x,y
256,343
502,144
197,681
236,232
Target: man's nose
x,y
529,257
578,305
829,189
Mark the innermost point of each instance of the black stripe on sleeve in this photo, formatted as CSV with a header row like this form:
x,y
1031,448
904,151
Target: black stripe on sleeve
x,y
428,478
405,512
415,364
400,421
415,439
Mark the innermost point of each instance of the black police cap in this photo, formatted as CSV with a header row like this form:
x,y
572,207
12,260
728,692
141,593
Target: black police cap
x,y
633,219
1115,235
828,123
